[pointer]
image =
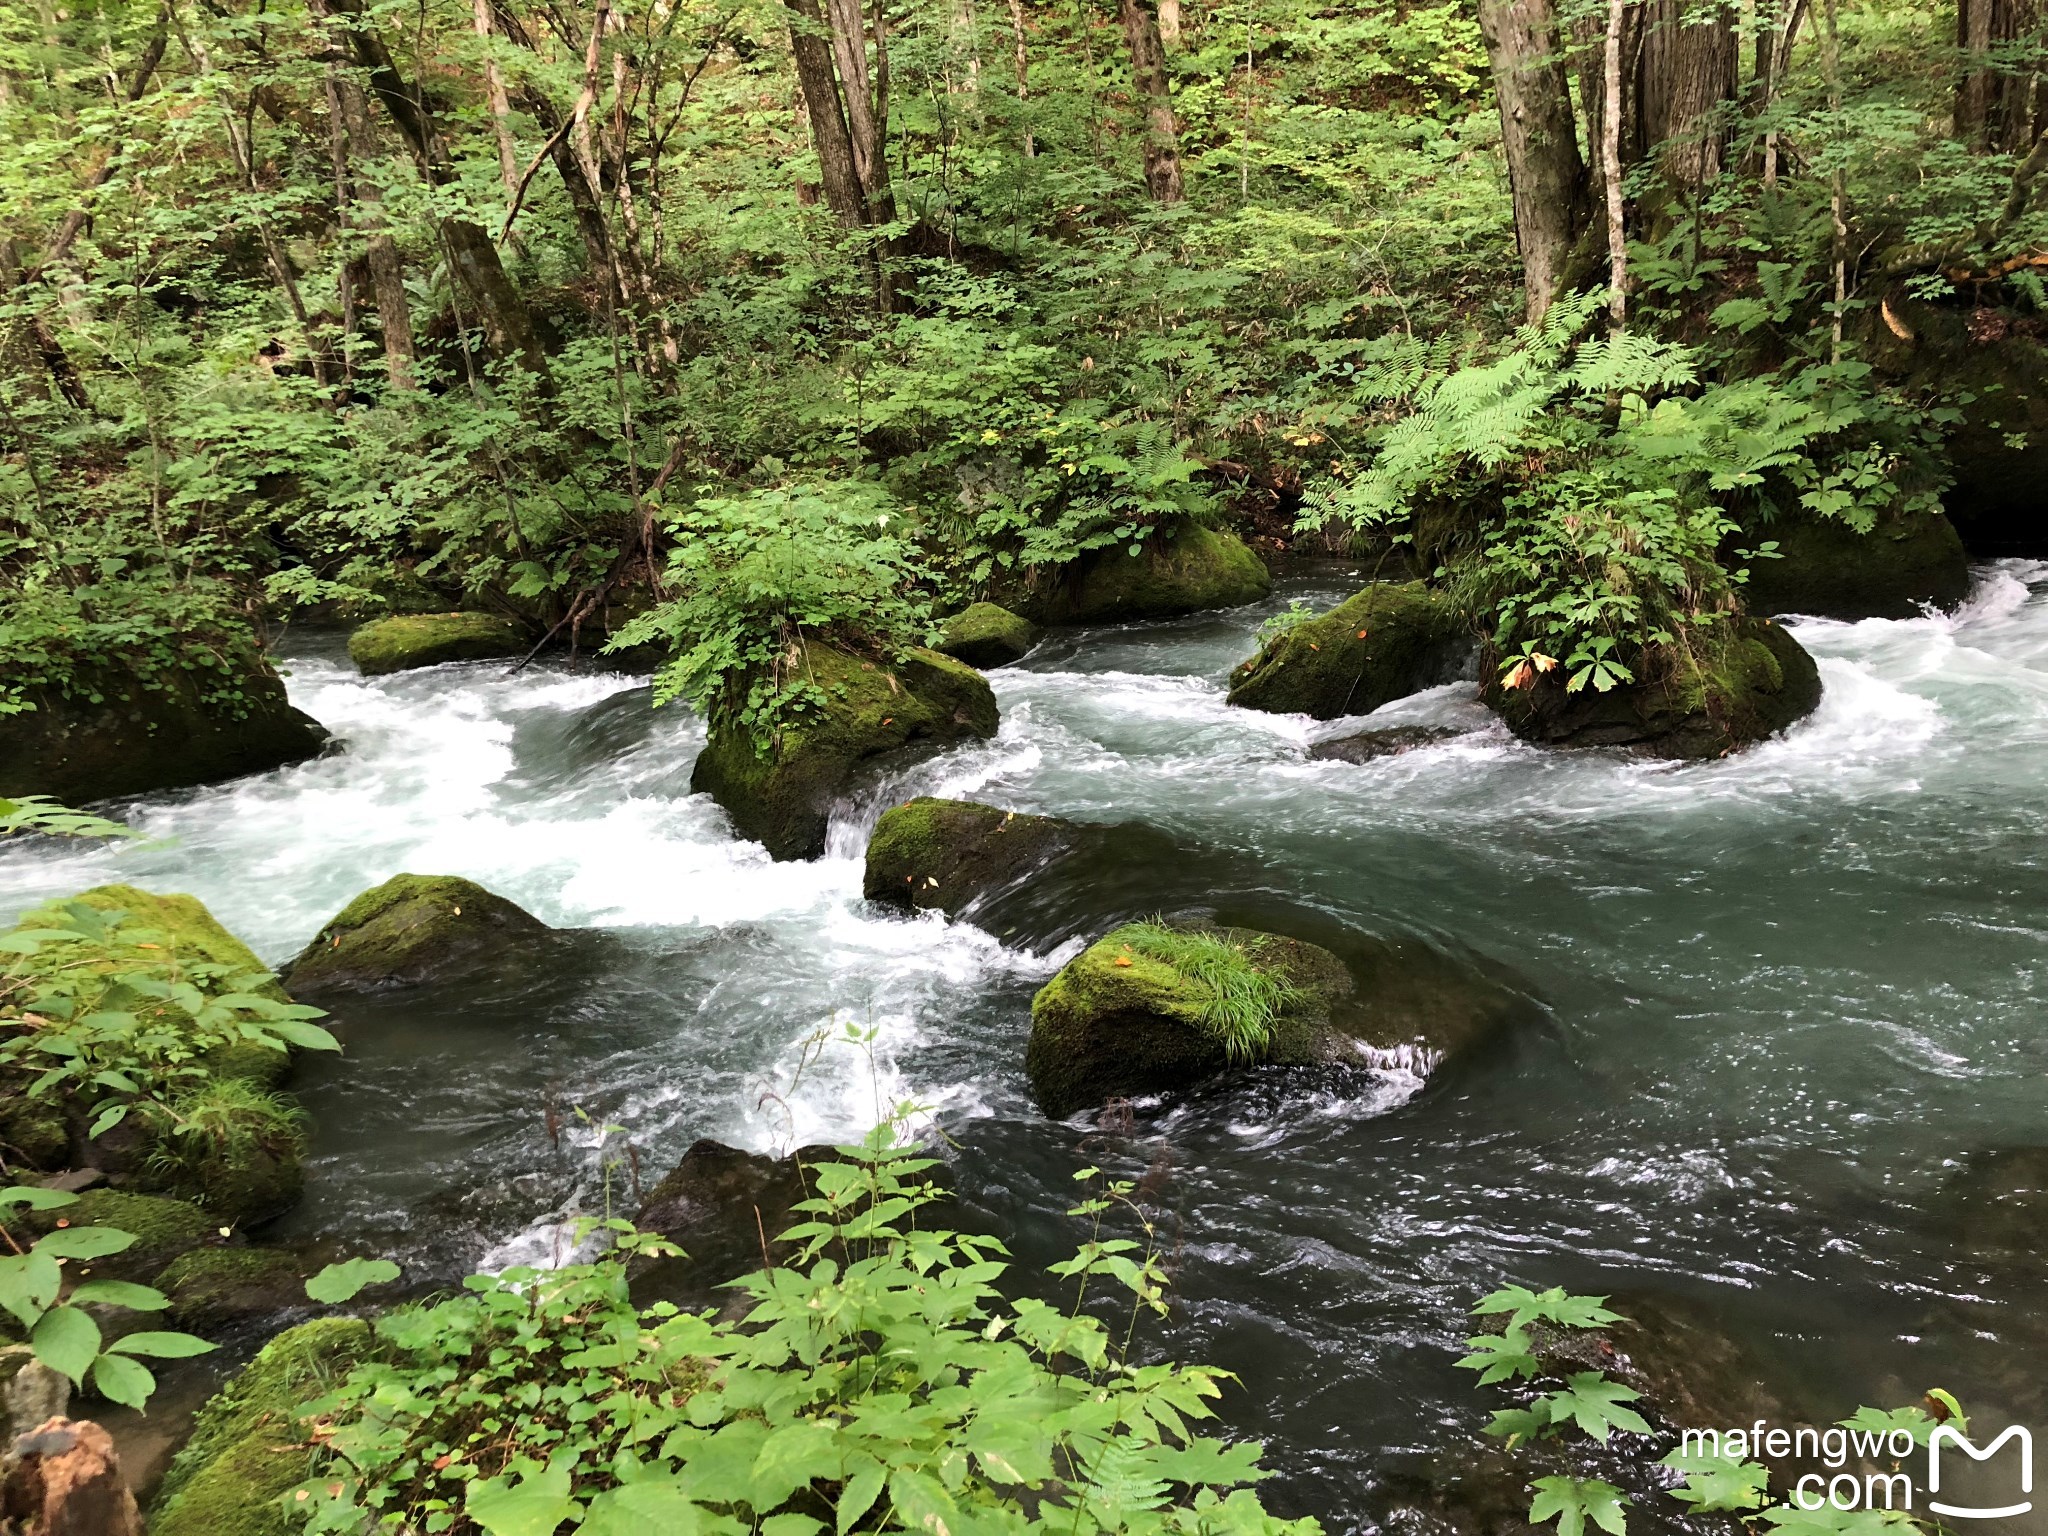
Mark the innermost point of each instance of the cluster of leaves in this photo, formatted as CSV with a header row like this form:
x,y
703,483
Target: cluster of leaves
x,y
878,1382
39,814
100,1011
1711,1480
62,1334
1239,999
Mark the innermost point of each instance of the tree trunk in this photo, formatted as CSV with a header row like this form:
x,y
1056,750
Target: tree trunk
x,y
1169,23
1685,73
1548,177
1148,74
1023,60
809,42
865,97
354,142
500,104
472,258
1611,114
1996,97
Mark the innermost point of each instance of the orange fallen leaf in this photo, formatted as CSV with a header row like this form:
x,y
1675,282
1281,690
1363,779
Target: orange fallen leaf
x,y
1361,634
1123,960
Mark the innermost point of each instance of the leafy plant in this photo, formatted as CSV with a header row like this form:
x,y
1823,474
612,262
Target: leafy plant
x,y
40,814
61,1333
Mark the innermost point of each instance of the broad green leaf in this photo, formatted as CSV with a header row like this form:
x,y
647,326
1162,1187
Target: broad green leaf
x,y
1572,1501
36,1199
160,1346
67,1341
310,1037
29,1283
84,1242
121,1380
1594,1402
535,1506
857,1498
120,1293
342,1282
1721,1483
640,1508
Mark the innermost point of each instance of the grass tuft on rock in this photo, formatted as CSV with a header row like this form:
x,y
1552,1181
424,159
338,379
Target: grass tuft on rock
x,y
1239,1002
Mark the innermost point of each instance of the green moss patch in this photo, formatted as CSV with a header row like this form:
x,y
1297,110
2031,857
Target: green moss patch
x,y
987,635
1380,645
406,641
212,1287
248,1448
163,1229
783,799
1826,568
1184,568
948,854
409,930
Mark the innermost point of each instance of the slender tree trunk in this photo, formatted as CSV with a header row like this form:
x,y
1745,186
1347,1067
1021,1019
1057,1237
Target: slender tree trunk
x,y
1169,23
1023,72
500,104
1546,174
355,142
809,43
1148,74
864,95
1610,164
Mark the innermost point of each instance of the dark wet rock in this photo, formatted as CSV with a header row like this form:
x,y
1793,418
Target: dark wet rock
x,y
248,1447
35,1133
210,1288
784,798
413,929
1826,568
405,641
1118,1022
1183,569
126,733
724,1208
239,1180
1747,680
986,635
1998,1207
1380,645
949,854
1370,746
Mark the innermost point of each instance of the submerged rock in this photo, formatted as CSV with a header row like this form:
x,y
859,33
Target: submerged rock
x,y
784,799
1383,644
986,635
724,1208
410,930
946,855
405,641
119,733
1181,569
1369,746
1130,1016
1750,680
1826,568
212,1287
248,1448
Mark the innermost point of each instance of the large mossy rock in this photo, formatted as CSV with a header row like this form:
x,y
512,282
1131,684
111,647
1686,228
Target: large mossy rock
x,y
1827,569
987,635
1180,569
945,855
123,734
1383,644
1118,1023
784,799
405,641
1746,680
163,1229
249,1448
211,1288
410,930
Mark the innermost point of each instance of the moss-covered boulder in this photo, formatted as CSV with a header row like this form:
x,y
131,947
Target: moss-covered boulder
x,y
119,733
987,635
1828,569
185,926
410,930
945,855
783,799
34,1133
1149,1010
1744,680
162,1228
405,641
1382,644
1183,568
248,1448
209,1288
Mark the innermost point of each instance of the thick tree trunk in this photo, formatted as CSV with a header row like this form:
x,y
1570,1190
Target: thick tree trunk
x,y
472,258
1997,98
1686,71
1552,197
865,96
1148,74
809,42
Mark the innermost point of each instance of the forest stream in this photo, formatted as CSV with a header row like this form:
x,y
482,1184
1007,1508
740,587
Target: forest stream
x,y
1776,1008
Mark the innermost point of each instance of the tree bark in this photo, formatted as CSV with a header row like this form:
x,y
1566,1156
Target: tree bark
x,y
1023,60
500,103
1686,72
1996,103
355,142
1148,75
1545,172
1611,115
808,41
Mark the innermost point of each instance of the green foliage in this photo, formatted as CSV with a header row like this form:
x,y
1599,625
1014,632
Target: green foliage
x,y
346,1280
880,1381
62,1334
1717,1482
1572,1501
32,814
1239,999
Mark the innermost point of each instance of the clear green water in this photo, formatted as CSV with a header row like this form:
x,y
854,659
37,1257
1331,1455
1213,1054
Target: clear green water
x,y
1778,1003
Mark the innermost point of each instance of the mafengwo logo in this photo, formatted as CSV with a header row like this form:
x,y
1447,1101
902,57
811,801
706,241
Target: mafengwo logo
x,y
1998,1492
1946,1436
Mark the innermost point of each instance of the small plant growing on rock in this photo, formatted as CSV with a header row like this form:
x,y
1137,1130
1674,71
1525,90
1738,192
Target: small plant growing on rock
x,y
1240,1000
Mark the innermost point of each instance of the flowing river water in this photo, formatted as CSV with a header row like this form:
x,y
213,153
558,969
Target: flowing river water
x,y
1779,1007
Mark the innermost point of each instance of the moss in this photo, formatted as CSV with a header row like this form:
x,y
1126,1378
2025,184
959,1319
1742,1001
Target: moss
x,y
1119,1021
1828,569
784,799
1741,681
234,1149
1179,569
429,639
247,1448
34,1132
115,736
409,930
947,854
986,635
192,932
162,1228
248,1062
1382,644
211,1287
